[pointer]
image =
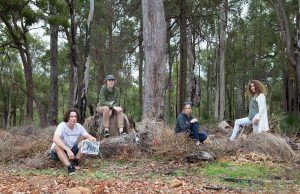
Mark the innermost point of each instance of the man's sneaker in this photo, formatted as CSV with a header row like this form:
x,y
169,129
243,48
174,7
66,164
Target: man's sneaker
x,y
71,170
106,133
122,132
197,143
75,162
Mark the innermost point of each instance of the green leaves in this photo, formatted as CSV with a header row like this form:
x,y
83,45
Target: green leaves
x,y
20,10
59,20
30,16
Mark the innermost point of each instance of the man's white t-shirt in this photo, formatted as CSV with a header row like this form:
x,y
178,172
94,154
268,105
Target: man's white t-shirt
x,y
69,136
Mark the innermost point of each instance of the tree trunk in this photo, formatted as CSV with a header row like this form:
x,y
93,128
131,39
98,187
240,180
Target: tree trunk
x,y
192,83
14,111
298,59
99,56
229,98
53,101
8,123
217,98
29,87
155,39
5,112
183,55
141,57
110,67
217,79
243,84
27,62
177,107
40,107
222,58
292,56
208,88
41,111
18,35
239,102
171,60
285,91
99,53
285,30
73,89
82,95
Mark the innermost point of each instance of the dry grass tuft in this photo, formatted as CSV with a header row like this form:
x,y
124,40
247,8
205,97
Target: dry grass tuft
x,y
268,144
37,161
91,125
17,148
33,131
170,146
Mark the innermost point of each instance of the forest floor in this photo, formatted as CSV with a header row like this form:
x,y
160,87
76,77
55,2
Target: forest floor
x,y
153,175
259,163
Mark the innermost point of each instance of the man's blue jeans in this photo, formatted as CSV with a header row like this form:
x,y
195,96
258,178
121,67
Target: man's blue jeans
x,y
202,136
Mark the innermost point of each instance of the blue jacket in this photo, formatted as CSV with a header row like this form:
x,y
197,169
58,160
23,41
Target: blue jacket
x,y
183,123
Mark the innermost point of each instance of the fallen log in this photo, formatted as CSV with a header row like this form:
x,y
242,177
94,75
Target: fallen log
x,y
200,157
133,142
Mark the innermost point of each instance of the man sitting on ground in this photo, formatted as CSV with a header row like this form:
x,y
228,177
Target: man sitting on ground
x,y
65,145
186,123
109,103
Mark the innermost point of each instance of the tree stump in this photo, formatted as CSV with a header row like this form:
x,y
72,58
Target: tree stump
x,y
95,127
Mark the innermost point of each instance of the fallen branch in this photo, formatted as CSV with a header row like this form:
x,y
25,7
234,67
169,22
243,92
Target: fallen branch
x,y
216,188
219,188
240,180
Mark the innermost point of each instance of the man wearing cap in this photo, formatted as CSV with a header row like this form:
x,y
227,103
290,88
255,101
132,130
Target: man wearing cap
x,y
110,102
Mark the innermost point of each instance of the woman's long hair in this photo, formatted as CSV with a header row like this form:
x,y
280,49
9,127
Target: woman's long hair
x,y
259,88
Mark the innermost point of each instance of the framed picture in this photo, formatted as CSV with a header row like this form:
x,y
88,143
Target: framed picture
x,y
90,147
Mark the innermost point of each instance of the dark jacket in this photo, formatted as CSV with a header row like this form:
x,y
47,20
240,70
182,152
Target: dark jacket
x,y
183,123
108,98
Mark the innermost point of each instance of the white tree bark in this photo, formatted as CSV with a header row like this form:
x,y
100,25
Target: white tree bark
x,y
86,68
87,55
155,48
